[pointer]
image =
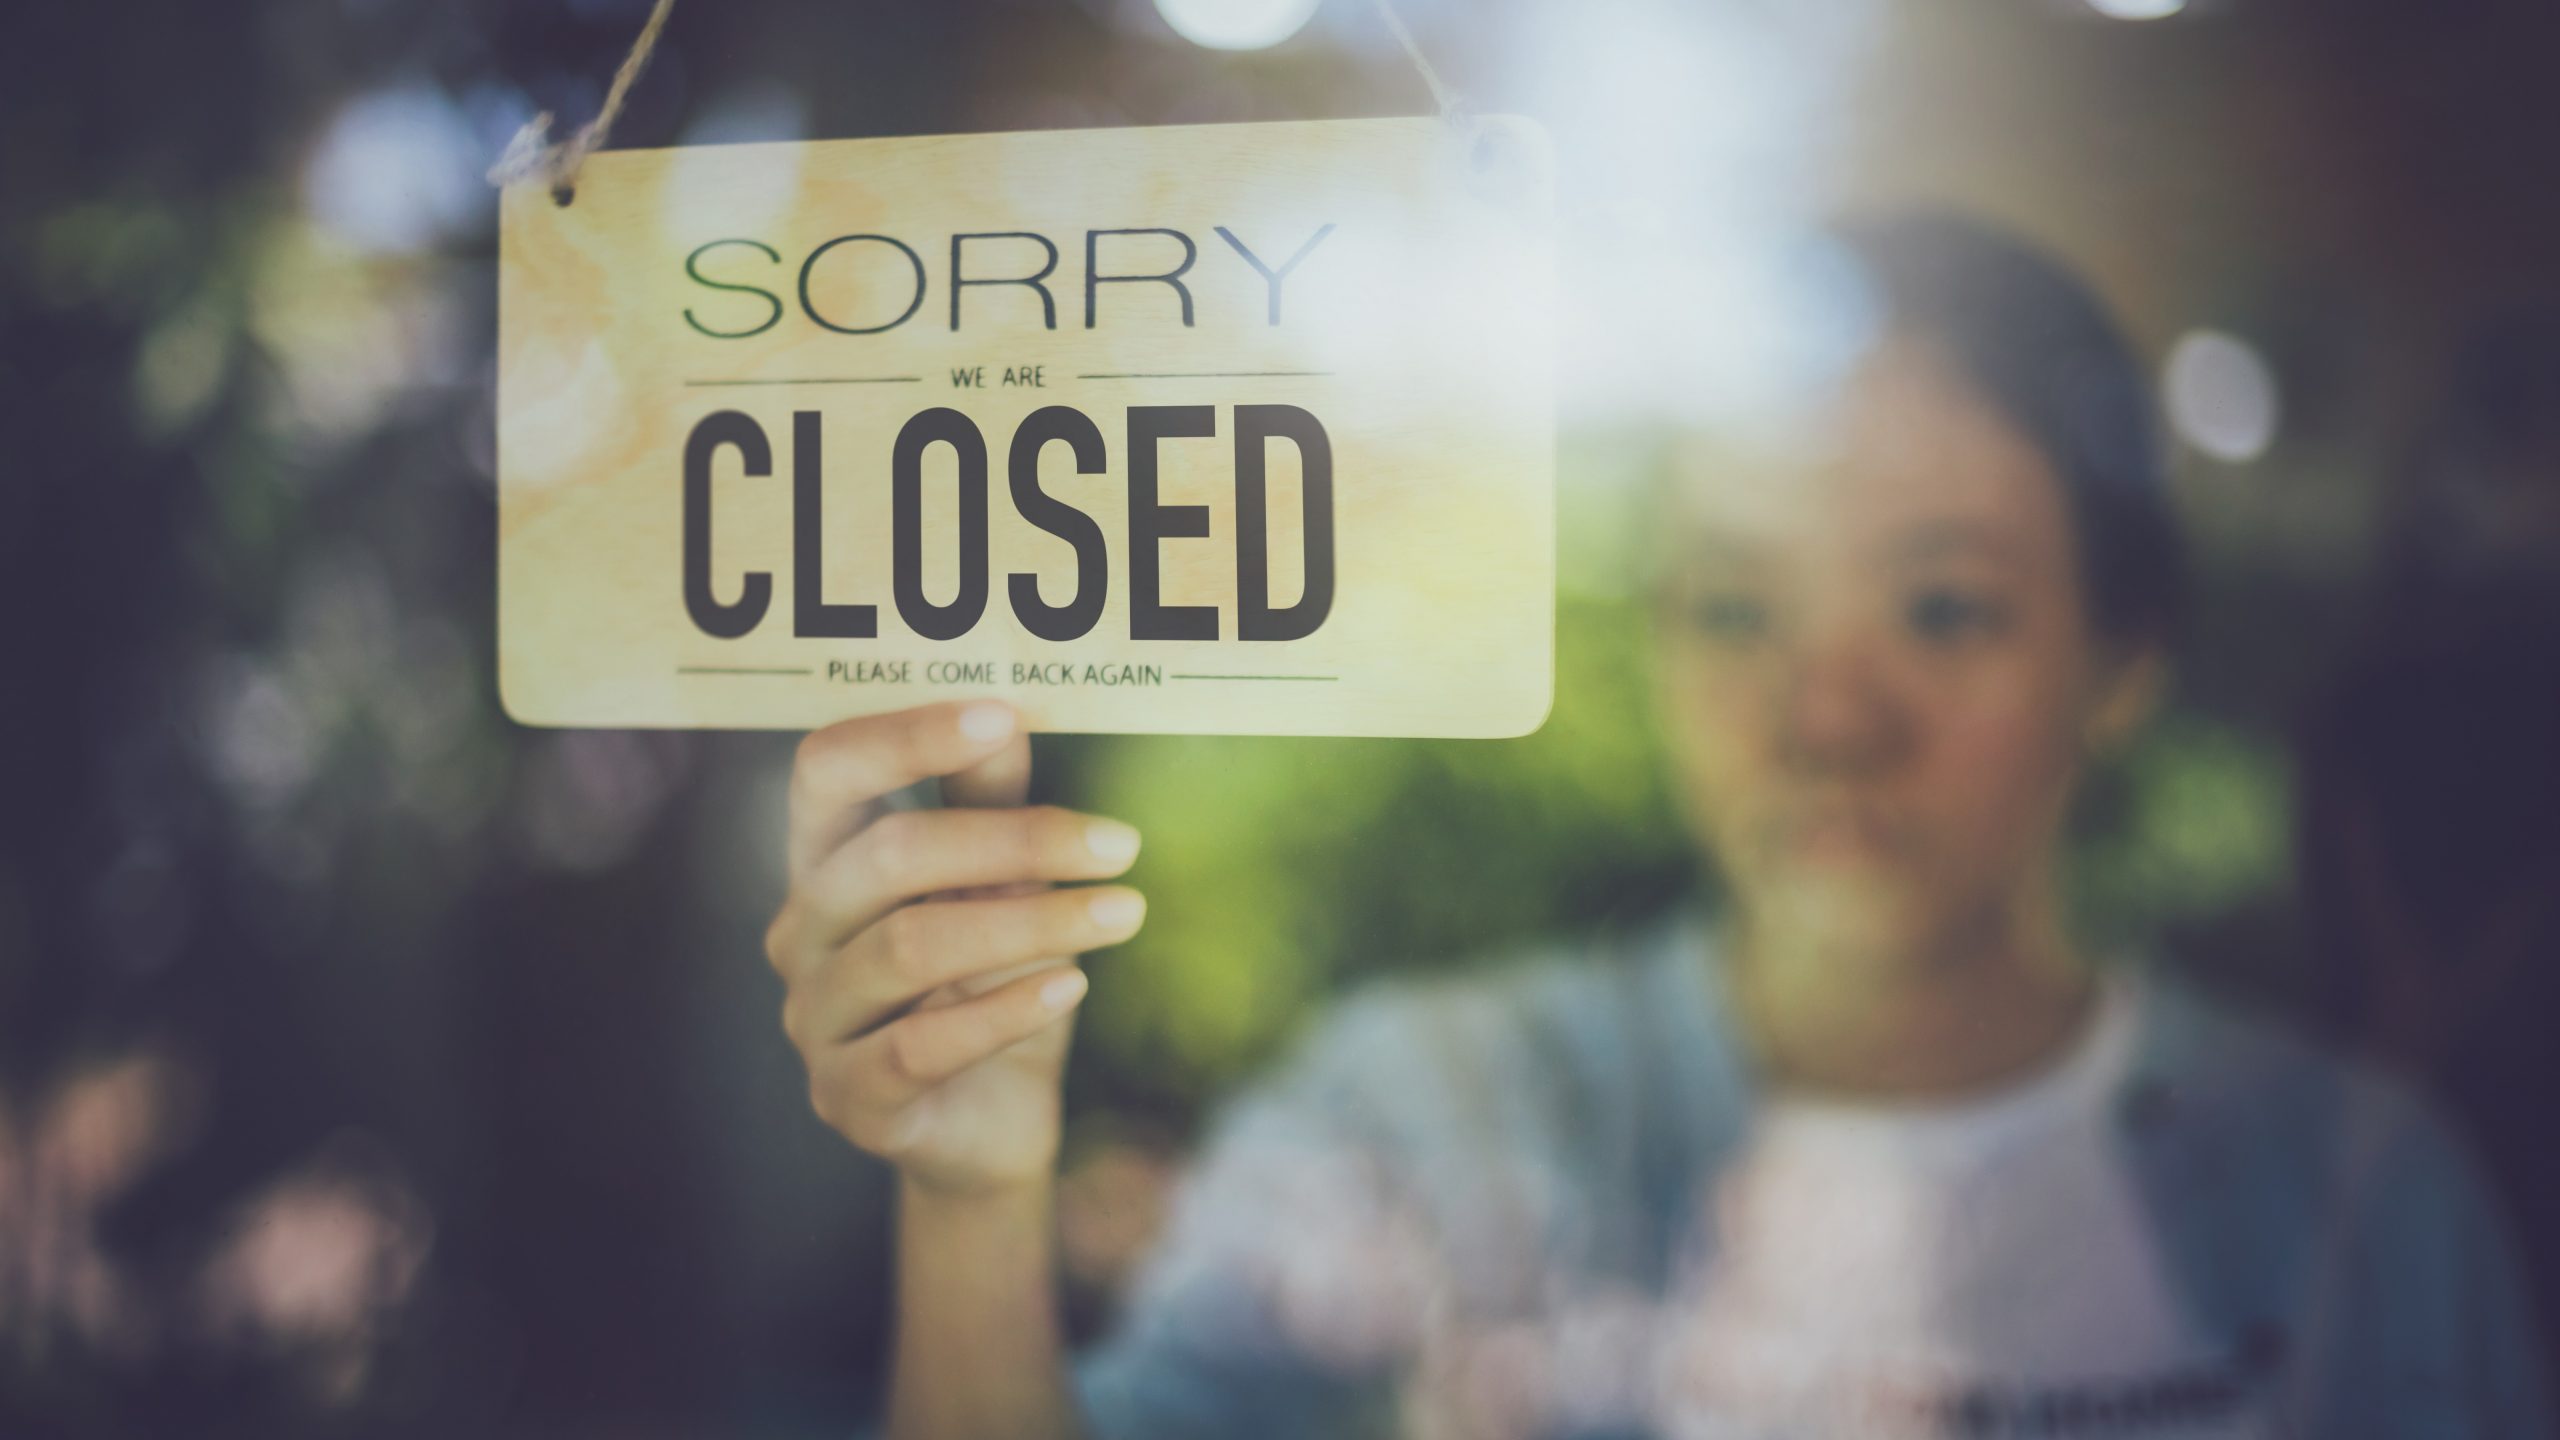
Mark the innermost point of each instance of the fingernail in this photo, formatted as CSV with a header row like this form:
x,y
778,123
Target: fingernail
x,y
986,723
1118,911
1064,991
1111,842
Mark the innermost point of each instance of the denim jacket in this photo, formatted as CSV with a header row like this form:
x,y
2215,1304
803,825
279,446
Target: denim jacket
x,y
1498,1154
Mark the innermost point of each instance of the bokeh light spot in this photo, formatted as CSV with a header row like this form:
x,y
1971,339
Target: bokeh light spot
x,y
2137,9
2221,396
397,171
1236,24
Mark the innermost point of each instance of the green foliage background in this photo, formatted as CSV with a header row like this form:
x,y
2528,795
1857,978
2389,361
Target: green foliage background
x,y
1282,869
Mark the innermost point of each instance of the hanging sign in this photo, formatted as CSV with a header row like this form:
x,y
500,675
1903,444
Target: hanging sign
x,y
1233,429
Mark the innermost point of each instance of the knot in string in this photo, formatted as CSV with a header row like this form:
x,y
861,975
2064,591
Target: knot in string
x,y
1443,95
531,155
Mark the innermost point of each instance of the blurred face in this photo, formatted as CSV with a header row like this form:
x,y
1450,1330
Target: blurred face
x,y
1876,668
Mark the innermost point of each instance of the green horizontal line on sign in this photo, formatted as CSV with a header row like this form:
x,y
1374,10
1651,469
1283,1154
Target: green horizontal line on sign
x,y
1198,374
1254,677
820,380
742,670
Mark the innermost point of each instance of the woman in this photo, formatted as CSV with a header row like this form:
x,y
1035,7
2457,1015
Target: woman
x,y
1878,1152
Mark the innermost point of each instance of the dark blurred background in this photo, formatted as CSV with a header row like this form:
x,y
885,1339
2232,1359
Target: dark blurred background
x,y
370,1064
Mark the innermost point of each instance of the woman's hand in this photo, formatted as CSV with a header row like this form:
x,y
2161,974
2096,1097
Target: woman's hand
x,y
928,961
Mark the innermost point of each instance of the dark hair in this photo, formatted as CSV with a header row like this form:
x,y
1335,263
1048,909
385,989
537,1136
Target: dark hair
x,y
2041,349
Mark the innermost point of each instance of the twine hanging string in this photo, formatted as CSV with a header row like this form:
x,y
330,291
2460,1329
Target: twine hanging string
x,y
1442,95
532,156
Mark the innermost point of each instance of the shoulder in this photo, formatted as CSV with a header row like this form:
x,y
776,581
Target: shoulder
x,y
1537,1083
2250,1069
1522,1028
2317,1143
2344,1183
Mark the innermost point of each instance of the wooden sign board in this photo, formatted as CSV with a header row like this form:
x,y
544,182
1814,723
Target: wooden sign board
x,y
1240,429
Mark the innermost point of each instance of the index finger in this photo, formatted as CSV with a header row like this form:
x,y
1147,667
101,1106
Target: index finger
x,y
845,767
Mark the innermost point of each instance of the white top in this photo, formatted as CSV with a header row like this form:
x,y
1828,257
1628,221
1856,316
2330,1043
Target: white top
x,y
1974,1268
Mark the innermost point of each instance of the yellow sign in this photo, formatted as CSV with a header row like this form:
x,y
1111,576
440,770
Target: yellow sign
x,y
1235,429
